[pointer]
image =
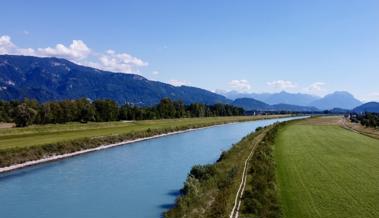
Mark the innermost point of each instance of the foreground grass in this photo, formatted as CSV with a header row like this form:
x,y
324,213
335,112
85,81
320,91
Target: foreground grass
x,y
324,170
18,145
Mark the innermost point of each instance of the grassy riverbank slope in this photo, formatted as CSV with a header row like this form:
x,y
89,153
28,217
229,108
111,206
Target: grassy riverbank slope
x,y
210,190
18,145
324,170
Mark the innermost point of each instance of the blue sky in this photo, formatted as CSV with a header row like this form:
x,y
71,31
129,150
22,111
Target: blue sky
x,y
314,47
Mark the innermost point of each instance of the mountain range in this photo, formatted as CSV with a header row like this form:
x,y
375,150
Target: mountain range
x,y
339,99
47,79
50,78
367,107
252,104
274,98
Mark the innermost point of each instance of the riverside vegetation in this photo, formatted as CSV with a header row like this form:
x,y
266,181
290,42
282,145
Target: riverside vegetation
x,y
18,145
366,119
28,112
260,198
307,168
209,190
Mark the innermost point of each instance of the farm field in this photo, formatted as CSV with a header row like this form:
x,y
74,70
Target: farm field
x,y
45,134
324,170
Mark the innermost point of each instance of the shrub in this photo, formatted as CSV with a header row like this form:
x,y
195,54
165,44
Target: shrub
x,y
202,172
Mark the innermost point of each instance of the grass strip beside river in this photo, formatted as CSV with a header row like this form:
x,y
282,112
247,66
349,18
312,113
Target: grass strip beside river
x,y
19,145
210,190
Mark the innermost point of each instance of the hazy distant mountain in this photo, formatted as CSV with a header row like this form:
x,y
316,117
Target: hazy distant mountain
x,y
296,108
339,110
48,79
291,98
368,107
274,98
339,99
251,104
234,95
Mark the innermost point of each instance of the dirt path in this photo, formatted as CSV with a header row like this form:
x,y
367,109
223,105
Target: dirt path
x,y
358,128
342,123
238,199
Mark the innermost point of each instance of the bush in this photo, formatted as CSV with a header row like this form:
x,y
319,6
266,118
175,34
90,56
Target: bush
x,y
262,200
24,115
202,172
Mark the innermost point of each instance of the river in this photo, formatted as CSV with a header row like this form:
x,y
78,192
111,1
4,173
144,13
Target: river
x,y
141,179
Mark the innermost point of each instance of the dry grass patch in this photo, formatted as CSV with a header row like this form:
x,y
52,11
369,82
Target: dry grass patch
x,y
320,121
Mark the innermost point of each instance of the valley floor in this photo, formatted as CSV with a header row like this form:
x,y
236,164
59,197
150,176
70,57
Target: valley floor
x,y
324,170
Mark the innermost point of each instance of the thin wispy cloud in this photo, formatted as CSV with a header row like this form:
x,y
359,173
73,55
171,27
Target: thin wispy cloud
x,y
79,52
240,85
282,84
316,88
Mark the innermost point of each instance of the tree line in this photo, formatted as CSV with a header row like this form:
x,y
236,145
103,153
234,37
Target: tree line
x,y
366,119
28,112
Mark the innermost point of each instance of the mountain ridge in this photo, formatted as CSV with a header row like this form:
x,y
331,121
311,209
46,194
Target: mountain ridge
x,y
51,78
367,107
337,99
282,97
251,104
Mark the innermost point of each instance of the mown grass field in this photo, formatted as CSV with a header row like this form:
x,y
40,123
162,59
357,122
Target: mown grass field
x,y
326,171
46,134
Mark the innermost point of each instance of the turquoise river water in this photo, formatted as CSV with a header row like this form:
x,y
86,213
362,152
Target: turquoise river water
x,y
141,179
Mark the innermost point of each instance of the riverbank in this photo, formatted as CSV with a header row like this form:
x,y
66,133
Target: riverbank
x,y
242,183
210,190
62,156
15,157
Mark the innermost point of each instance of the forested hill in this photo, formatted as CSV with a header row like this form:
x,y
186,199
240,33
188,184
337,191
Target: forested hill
x,y
47,79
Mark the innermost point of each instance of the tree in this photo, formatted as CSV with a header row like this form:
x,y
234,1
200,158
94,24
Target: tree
x,y
86,111
24,115
166,108
5,111
106,110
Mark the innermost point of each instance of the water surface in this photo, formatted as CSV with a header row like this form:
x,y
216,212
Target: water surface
x,y
136,180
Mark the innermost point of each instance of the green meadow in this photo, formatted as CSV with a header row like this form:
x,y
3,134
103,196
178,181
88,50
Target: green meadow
x,y
52,133
326,171
18,145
